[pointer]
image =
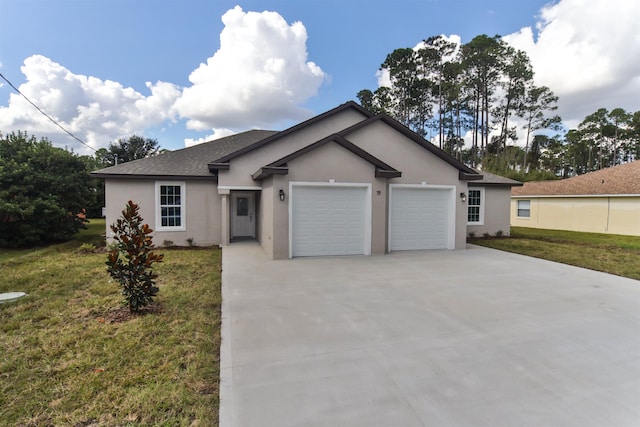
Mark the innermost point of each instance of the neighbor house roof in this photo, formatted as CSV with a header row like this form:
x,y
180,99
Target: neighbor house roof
x,y
492,180
621,179
187,162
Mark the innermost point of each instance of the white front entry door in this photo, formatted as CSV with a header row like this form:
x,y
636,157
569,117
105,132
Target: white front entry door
x,y
243,216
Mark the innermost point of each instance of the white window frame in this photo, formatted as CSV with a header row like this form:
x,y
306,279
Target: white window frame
x,y
482,203
518,209
183,205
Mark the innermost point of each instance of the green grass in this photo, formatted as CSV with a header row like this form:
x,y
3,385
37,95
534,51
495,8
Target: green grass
x,y
66,359
610,253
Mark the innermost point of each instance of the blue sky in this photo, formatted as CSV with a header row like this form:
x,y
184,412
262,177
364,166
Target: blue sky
x,y
94,59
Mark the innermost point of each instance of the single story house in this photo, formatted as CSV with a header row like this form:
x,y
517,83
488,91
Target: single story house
x,y
341,183
604,201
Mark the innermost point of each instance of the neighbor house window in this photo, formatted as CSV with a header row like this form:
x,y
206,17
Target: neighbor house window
x,y
475,210
524,208
170,206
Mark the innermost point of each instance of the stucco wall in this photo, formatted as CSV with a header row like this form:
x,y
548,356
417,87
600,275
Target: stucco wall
x,y
241,168
615,215
416,164
496,211
202,209
265,217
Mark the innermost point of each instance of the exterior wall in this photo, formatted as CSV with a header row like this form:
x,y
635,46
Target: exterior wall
x,y
201,210
265,217
496,205
615,215
416,164
241,168
330,162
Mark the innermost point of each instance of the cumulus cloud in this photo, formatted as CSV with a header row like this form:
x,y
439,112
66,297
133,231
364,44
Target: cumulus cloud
x,y
259,76
97,111
587,52
217,134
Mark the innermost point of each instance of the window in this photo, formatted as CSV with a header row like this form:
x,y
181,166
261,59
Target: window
x,y
475,211
524,208
170,209
242,206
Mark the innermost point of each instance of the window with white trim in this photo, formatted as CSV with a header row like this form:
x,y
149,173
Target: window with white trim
x,y
170,201
524,208
475,208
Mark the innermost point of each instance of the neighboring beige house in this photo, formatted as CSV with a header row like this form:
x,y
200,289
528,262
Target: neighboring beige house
x,y
605,201
345,182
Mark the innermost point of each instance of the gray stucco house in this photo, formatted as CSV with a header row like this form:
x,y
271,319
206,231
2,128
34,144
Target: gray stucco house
x,y
345,182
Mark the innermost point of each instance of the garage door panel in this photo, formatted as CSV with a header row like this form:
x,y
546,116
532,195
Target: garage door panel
x,y
420,219
328,220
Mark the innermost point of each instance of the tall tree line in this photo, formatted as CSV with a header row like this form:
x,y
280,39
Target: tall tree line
x,y
442,91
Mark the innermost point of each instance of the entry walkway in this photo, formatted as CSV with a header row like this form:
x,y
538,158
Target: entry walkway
x,y
435,338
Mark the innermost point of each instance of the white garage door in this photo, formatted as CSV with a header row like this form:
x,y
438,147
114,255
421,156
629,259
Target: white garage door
x,y
329,220
420,218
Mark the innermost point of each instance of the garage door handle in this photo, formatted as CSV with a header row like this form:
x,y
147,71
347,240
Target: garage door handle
x,y
250,217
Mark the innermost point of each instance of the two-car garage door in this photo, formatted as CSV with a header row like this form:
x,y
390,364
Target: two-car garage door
x,y
336,219
330,220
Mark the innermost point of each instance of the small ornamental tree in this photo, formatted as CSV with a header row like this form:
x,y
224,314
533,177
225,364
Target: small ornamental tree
x,y
130,262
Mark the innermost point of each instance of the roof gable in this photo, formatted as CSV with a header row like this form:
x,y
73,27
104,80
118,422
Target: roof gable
x,y
465,173
621,179
280,167
223,162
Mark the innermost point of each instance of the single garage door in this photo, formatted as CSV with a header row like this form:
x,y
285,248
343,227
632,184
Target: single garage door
x,y
420,218
329,220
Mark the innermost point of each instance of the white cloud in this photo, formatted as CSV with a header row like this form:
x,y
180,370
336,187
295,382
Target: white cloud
x,y
259,75
94,110
587,52
217,134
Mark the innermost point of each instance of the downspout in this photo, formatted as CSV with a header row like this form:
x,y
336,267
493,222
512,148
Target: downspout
x,y
608,213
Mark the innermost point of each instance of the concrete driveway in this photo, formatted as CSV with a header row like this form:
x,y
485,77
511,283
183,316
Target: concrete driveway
x,y
436,338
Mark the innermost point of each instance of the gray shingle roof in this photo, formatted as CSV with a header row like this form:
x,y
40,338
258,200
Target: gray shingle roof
x,y
186,162
489,179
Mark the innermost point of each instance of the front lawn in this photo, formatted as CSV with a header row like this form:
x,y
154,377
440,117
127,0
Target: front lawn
x,y
610,253
70,356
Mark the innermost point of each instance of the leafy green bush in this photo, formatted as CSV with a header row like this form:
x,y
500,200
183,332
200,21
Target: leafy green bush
x,y
130,261
43,192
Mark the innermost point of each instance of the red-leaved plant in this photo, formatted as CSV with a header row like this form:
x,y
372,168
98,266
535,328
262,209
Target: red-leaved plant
x,y
130,261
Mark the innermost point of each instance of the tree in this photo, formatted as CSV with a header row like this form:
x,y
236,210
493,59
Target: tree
x,y
539,100
482,60
96,200
127,149
130,261
43,191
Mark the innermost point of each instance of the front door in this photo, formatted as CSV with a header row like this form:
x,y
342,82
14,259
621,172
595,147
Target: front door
x,y
243,218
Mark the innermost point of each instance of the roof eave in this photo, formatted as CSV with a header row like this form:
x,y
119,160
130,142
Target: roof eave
x,y
466,176
153,176
215,167
267,171
382,173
